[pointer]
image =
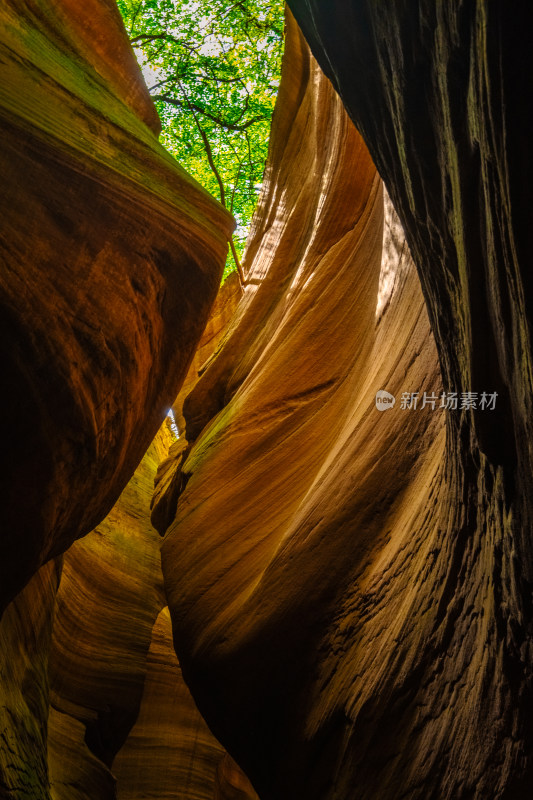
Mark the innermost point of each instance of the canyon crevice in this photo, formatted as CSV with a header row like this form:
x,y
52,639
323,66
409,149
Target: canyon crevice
x,y
339,604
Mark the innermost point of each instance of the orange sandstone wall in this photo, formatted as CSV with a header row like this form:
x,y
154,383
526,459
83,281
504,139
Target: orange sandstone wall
x,y
92,702
224,307
107,604
111,259
171,754
349,590
305,524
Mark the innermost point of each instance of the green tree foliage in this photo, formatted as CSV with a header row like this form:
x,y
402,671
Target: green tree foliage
x,y
212,67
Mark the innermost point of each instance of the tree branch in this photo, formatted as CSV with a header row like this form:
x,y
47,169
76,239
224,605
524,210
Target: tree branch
x,y
230,126
216,173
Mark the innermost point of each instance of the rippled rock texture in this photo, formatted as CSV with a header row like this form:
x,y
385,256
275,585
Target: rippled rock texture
x,y
92,702
25,642
350,590
111,259
372,572
171,754
73,655
303,526
108,601
438,93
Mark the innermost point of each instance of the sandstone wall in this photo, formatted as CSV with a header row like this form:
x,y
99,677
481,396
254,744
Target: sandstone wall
x,y
171,754
25,641
92,702
349,590
111,256
306,524
107,604
222,311
437,91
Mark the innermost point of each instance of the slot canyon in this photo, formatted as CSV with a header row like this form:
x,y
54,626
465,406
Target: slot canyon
x,y
322,588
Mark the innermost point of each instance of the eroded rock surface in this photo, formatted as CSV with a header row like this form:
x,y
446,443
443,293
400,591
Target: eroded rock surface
x,y
25,641
221,314
350,589
305,529
92,702
108,601
437,91
111,257
73,655
171,753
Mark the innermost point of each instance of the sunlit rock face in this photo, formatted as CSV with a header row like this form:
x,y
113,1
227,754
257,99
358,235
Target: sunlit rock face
x,y
111,258
302,563
108,601
169,734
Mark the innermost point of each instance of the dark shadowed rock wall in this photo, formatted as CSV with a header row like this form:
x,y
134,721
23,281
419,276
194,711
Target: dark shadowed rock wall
x,y
437,91
25,642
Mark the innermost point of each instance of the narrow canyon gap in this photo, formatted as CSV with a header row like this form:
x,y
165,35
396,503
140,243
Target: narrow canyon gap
x,y
374,580
350,591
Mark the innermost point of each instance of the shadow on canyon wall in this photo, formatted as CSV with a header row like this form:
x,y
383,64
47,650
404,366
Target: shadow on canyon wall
x,y
349,591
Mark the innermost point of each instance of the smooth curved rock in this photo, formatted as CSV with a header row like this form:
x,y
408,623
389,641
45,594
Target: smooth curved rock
x,y
306,518
73,653
169,480
171,754
112,257
122,722
350,589
92,702
224,307
108,601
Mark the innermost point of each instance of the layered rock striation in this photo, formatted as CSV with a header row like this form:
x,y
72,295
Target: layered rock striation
x,y
25,643
92,702
375,579
107,604
349,588
437,93
112,257
171,754
305,529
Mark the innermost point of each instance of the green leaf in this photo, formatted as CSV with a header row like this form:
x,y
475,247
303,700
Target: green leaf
x,y
213,69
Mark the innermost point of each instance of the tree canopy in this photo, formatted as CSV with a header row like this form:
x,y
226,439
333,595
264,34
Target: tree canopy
x,y
212,67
